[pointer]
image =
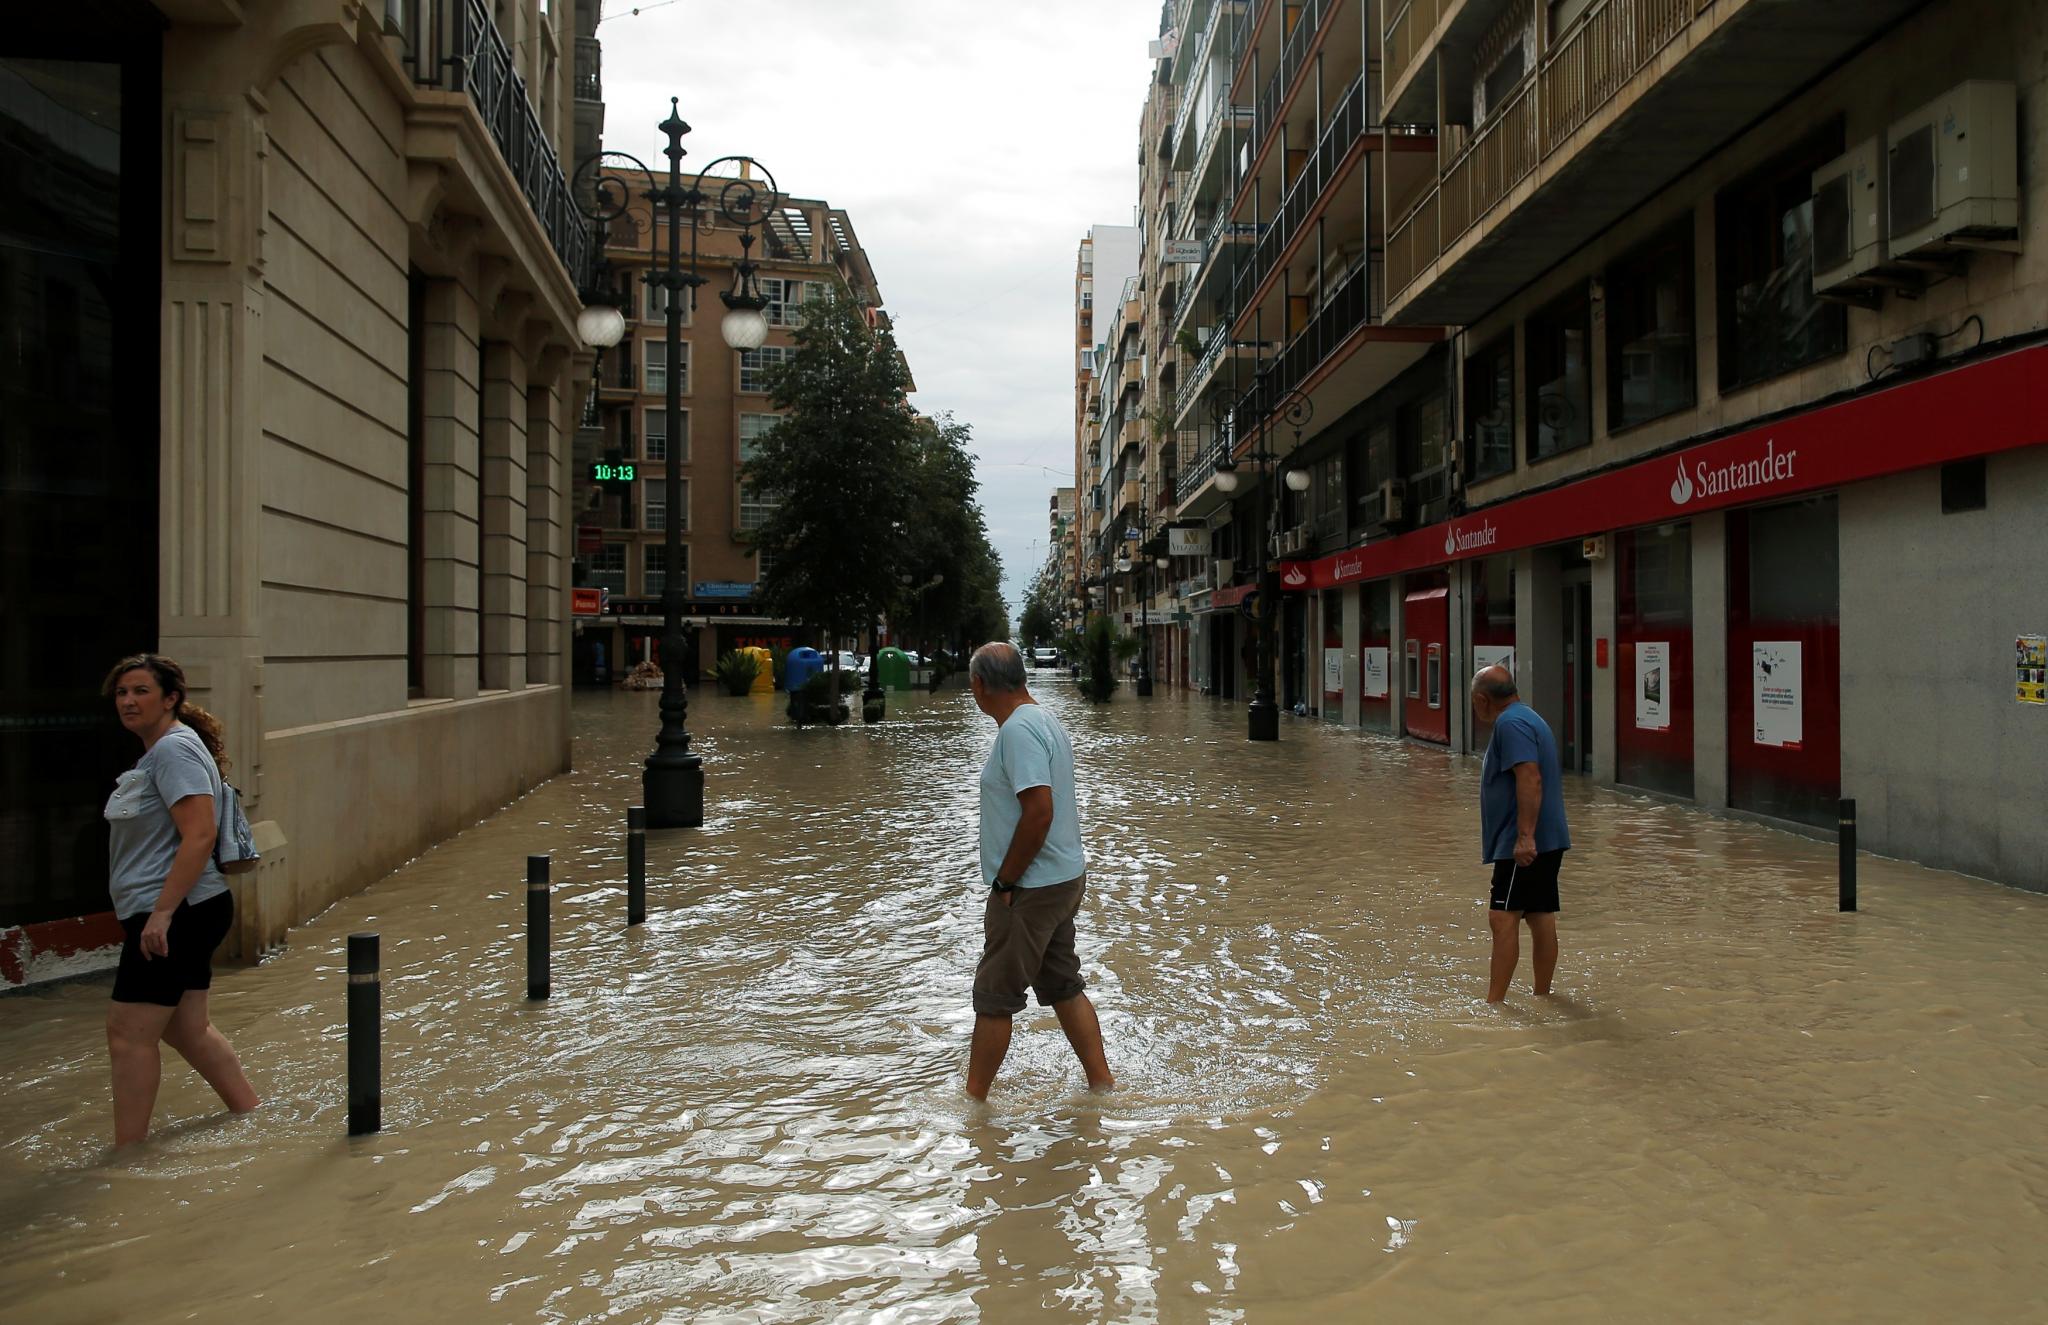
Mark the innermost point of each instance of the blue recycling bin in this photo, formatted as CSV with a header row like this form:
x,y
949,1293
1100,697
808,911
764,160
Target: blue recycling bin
x,y
803,664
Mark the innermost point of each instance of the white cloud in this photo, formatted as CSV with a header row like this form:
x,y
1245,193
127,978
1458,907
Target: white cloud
x,y
972,143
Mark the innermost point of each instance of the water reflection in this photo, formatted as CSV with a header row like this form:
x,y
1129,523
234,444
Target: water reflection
x,y
750,1108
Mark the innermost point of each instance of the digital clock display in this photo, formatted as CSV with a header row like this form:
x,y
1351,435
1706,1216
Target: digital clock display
x,y
607,472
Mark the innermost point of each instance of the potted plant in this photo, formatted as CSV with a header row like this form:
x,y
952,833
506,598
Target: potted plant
x,y
817,700
1102,649
737,672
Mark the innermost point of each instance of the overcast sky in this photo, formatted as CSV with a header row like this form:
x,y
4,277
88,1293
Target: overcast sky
x,y
972,144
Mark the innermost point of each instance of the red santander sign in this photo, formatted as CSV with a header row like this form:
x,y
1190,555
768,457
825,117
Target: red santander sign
x,y
1996,405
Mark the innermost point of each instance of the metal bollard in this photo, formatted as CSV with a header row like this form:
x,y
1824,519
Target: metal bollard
x,y
1846,846
365,1004
536,926
636,864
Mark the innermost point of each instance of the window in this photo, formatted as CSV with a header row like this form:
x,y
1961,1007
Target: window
x,y
654,355
1770,319
656,305
1502,80
1088,299
608,567
653,564
1650,331
626,293
1490,410
654,504
755,508
1560,386
785,298
753,427
1326,497
658,438
764,561
754,366
1414,660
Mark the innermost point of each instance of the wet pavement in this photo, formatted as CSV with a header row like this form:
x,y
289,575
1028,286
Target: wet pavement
x,y
1741,1105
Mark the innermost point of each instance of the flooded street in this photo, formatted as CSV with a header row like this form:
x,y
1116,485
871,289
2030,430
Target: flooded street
x,y
1742,1106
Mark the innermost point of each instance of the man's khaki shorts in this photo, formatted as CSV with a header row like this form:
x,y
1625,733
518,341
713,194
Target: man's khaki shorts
x,y
1028,943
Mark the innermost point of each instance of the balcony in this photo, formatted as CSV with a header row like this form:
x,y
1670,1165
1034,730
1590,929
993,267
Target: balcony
x,y
1222,236
589,69
1194,488
1658,84
1332,155
1192,61
1293,55
453,44
1219,350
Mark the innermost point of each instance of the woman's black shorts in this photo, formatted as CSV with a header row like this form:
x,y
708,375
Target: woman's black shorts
x,y
196,930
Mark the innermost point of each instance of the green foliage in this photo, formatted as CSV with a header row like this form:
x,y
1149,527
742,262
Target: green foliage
x,y
841,463
778,660
1101,650
737,671
953,595
1039,621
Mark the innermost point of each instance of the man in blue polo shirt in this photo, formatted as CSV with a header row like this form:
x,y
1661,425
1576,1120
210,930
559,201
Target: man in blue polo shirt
x,y
1521,828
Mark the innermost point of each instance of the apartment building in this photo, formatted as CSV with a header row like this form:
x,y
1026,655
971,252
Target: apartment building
x,y
293,290
627,441
1106,260
1737,453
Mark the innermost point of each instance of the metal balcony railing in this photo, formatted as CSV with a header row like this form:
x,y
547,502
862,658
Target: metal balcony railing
x,y
1614,41
1201,57
589,69
1406,31
453,44
1241,38
1357,301
1346,123
1293,55
1191,477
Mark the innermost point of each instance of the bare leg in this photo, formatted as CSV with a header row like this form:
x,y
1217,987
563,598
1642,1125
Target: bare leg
x,y
1507,950
193,1035
1084,1032
133,1030
985,1054
1543,942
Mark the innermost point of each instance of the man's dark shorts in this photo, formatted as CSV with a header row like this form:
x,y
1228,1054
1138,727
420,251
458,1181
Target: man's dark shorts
x,y
1028,943
1528,888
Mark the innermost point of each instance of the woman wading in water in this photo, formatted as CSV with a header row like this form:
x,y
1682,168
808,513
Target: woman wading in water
x,y
170,896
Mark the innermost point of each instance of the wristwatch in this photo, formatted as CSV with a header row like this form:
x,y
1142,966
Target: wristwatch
x,y
1001,887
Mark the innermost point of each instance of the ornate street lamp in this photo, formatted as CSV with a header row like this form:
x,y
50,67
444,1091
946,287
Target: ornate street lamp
x,y
673,784
1295,409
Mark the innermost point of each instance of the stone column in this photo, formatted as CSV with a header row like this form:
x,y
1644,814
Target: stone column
x,y
1539,633
503,447
450,487
1354,674
1710,678
1397,655
547,492
1457,674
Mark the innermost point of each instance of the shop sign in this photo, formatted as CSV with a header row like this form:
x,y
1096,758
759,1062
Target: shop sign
x,y
2031,661
1183,542
1778,693
1653,685
1183,250
586,602
723,589
1980,409
1372,671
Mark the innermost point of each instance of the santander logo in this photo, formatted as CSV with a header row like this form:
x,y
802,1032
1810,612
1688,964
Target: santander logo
x,y
1295,577
1471,539
1707,480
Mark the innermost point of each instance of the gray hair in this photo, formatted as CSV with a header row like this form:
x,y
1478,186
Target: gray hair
x,y
998,666
1495,682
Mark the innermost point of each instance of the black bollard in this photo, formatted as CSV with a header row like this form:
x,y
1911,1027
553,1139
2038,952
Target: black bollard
x,y
636,865
536,926
1846,846
365,1004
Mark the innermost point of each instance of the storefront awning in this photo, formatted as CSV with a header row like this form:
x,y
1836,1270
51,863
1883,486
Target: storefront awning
x,y
1978,409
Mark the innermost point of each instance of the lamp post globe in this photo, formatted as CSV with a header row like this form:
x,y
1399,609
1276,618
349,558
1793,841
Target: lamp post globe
x,y
745,328
1226,480
1297,480
600,326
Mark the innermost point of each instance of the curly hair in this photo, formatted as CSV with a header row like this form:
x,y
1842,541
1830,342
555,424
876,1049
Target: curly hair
x,y
170,678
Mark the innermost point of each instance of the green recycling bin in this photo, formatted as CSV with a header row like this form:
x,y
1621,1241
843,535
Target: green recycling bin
x,y
893,668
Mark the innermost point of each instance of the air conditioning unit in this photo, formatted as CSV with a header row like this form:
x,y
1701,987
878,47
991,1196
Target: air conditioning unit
x,y
1848,217
1293,541
1388,509
1221,571
1952,173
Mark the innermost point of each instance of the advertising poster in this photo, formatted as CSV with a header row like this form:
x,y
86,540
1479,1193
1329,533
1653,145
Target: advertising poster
x,y
1333,671
1486,655
1653,685
1777,684
2031,661
1372,666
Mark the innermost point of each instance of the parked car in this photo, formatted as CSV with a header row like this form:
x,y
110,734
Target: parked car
x,y
1044,656
850,661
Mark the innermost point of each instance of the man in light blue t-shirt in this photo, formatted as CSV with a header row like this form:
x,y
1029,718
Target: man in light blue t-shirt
x,y
1032,862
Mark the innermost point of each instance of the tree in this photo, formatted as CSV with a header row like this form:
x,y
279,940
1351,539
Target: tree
x,y
840,465
1041,616
951,593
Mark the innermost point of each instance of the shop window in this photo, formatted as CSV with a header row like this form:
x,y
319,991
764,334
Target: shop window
x,y
1326,497
1375,634
1560,386
1653,642
1771,321
1784,661
1650,347
1490,410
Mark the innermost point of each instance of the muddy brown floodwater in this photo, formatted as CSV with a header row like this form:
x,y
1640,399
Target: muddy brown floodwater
x,y
1743,1106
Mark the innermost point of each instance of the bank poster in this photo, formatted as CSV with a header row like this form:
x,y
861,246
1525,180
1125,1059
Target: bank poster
x,y
1486,655
2031,659
1777,685
1333,671
1653,685
1372,663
